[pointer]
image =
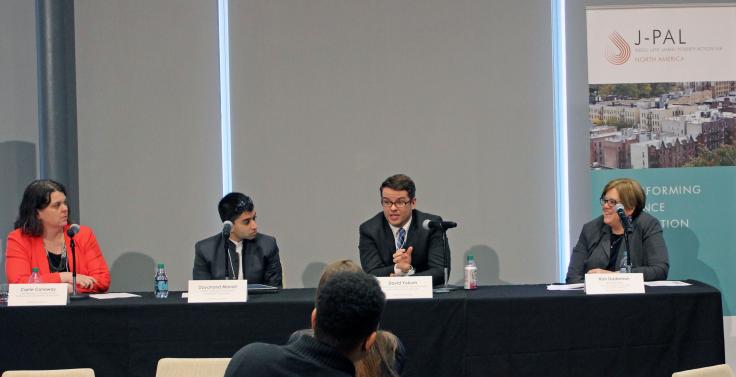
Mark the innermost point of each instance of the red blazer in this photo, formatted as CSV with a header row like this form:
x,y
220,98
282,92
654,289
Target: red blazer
x,y
24,252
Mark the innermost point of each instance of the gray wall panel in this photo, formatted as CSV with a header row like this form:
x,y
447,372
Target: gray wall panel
x,y
329,98
149,140
18,115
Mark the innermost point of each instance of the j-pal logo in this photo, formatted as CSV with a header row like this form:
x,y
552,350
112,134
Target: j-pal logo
x,y
618,51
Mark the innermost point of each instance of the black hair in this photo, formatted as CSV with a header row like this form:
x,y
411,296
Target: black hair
x,y
400,182
233,205
349,308
36,197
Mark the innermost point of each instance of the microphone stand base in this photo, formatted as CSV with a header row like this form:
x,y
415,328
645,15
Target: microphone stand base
x,y
78,296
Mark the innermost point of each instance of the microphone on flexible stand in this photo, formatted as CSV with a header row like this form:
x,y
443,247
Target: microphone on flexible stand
x,y
227,227
437,224
625,220
442,226
626,223
71,232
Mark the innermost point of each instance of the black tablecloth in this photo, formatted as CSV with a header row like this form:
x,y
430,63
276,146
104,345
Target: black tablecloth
x,y
493,331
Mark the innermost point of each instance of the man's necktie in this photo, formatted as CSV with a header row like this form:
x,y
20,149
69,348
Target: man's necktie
x,y
400,238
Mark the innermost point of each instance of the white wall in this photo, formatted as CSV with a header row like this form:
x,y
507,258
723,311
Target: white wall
x,y
18,115
327,101
149,141
329,98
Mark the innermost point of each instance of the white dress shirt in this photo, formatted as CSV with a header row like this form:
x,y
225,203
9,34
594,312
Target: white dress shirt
x,y
239,251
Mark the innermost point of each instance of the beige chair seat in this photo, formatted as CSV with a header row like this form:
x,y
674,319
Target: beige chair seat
x,y
201,367
722,370
81,372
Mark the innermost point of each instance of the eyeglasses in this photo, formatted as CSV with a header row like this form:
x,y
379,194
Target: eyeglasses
x,y
610,202
401,203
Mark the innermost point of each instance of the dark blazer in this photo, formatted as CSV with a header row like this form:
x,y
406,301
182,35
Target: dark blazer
x,y
377,246
648,251
260,256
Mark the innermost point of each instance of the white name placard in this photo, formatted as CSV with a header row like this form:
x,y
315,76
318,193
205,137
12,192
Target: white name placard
x,y
406,287
37,294
217,291
612,284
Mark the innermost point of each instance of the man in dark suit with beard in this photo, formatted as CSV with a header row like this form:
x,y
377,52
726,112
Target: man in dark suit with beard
x,y
250,255
394,243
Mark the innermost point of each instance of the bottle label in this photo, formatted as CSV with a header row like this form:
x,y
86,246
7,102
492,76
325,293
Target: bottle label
x,y
162,286
471,277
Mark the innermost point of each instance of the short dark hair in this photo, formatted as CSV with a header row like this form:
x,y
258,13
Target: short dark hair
x,y
400,182
233,205
630,192
349,308
36,197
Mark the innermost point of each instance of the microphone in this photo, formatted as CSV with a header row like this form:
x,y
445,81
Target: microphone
x,y
227,226
442,226
436,224
73,230
625,221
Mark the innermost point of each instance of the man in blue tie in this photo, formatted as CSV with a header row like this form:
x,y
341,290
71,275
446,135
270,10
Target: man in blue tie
x,y
394,243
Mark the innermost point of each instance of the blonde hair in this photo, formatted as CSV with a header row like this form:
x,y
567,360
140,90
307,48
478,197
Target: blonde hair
x,y
381,357
630,192
345,265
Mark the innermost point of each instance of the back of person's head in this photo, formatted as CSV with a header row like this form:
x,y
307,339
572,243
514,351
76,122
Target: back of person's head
x,y
345,265
400,182
233,205
36,197
348,309
381,358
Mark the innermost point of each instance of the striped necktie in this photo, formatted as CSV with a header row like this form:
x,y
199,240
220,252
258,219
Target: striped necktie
x,y
400,238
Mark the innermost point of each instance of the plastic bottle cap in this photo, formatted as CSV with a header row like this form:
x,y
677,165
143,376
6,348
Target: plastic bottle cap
x,y
470,257
160,265
34,269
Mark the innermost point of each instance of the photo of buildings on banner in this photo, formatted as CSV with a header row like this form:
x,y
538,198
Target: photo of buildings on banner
x,y
662,125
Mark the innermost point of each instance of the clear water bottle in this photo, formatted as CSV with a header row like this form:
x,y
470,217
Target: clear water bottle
x,y
161,282
471,273
625,268
35,277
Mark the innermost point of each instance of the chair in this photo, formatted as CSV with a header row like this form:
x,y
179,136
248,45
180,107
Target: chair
x,y
722,370
195,367
82,372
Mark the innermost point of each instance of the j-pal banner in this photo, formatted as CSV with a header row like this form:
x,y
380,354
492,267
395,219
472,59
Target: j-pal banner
x,y
662,110
660,44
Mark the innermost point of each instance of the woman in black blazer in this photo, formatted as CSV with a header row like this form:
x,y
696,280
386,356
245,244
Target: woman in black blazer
x,y
600,248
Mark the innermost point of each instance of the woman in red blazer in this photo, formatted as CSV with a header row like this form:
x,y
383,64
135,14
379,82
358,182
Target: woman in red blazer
x,y
40,240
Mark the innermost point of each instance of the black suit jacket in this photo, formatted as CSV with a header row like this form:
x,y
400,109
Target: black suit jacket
x,y
260,257
377,247
648,251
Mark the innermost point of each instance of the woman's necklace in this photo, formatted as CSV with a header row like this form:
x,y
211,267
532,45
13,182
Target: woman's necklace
x,y
62,258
